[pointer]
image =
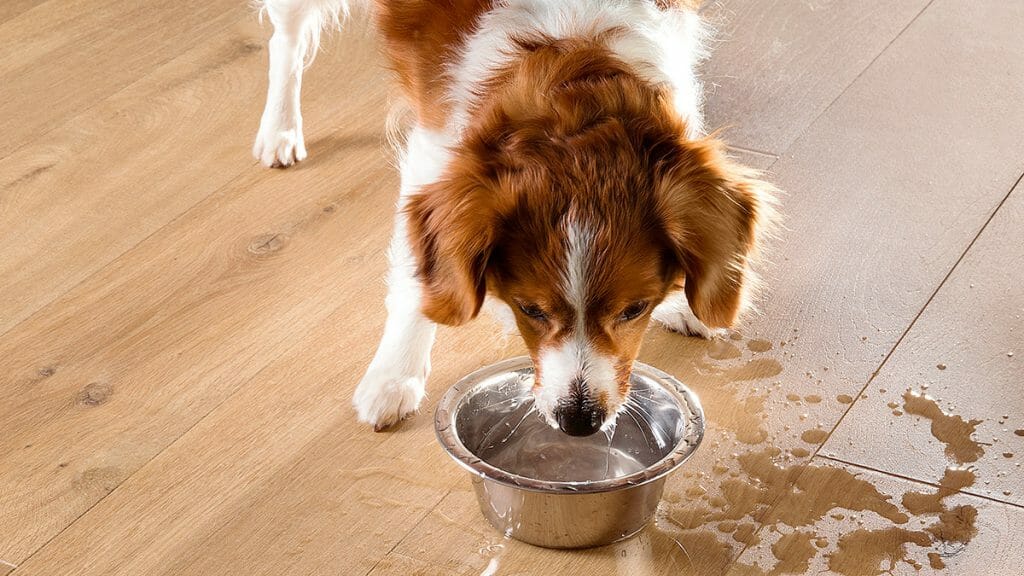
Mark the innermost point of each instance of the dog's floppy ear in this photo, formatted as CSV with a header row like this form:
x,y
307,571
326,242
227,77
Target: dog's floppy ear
x,y
714,212
452,228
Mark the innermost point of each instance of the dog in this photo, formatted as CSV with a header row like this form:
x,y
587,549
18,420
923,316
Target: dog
x,y
558,167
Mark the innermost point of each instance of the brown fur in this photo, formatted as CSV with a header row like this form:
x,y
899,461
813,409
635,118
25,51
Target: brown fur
x,y
569,129
420,38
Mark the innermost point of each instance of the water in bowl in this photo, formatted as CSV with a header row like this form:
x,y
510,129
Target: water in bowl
x,y
503,427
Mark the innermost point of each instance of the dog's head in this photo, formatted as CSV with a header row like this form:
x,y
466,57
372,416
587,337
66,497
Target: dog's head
x,y
582,224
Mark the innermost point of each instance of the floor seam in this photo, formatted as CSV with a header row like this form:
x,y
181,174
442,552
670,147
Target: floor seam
x,y
892,350
916,480
917,316
271,362
855,79
753,151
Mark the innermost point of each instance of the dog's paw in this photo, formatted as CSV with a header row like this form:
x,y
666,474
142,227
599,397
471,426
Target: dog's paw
x,y
384,397
275,147
682,320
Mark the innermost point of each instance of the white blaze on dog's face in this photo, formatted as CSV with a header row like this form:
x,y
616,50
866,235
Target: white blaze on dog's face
x,y
577,385
582,294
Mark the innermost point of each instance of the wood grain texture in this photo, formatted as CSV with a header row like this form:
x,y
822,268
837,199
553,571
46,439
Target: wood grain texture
x,y
965,351
776,65
12,8
94,187
229,484
186,332
132,357
64,56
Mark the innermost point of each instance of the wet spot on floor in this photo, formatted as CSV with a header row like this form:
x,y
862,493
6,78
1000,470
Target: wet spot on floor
x,y
794,552
814,436
953,480
935,561
723,350
953,431
861,552
101,479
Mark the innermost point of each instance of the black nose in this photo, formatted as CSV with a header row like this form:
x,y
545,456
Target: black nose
x,y
579,418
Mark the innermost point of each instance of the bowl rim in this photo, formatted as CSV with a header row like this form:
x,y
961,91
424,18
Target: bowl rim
x,y
445,429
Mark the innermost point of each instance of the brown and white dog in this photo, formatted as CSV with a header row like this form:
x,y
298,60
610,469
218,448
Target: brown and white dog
x,y
557,164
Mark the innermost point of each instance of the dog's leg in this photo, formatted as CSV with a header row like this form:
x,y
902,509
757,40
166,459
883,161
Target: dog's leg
x,y
675,314
297,25
394,384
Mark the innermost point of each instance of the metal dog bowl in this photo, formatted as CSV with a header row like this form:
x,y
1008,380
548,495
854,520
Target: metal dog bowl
x,y
539,485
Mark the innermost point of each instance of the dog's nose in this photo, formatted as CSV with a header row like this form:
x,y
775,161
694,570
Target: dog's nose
x,y
579,417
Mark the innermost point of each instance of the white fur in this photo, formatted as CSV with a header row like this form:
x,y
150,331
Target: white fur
x,y
577,260
675,314
576,358
297,27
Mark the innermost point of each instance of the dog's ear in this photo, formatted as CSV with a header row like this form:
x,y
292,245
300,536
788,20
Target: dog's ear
x,y
714,213
451,229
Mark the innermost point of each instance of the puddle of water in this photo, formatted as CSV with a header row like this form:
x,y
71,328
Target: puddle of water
x,y
723,350
794,552
954,480
953,431
873,552
745,490
815,436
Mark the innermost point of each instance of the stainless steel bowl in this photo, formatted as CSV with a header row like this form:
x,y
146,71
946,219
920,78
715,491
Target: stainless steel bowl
x,y
541,486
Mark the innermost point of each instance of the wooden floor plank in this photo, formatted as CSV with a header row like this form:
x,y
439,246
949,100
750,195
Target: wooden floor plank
x,y
94,187
91,189
65,56
193,395
966,352
775,66
224,498
103,378
12,8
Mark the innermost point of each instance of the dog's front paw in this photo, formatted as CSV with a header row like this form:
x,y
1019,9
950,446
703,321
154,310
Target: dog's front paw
x,y
277,147
678,317
385,397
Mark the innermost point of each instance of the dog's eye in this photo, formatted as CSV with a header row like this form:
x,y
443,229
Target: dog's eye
x,y
632,311
532,310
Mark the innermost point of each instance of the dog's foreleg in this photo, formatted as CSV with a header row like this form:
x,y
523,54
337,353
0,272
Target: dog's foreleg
x,y
394,384
297,26
675,314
